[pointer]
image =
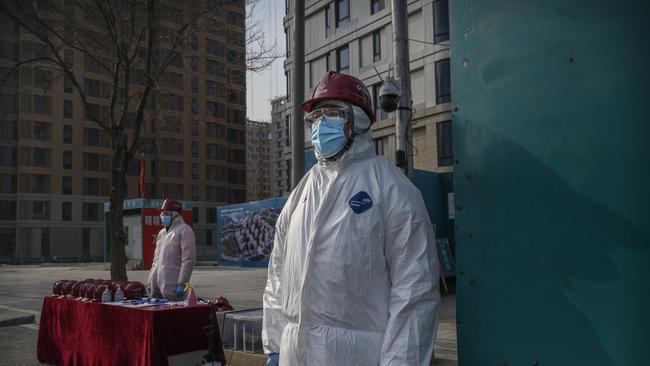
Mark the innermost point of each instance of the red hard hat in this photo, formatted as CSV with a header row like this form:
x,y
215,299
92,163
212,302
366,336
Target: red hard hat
x,y
67,287
98,292
343,87
171,204
134,290
75,288
56,287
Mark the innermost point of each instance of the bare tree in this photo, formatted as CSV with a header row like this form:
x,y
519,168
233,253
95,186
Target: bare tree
x,y
123,40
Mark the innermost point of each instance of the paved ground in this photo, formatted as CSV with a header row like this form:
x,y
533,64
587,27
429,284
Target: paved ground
x,y
22,289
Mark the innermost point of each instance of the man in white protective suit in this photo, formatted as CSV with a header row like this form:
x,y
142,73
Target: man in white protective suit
x,y
353,276
175,254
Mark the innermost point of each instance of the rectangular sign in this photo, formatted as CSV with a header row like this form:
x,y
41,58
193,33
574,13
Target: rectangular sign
x,y
245,232
445,257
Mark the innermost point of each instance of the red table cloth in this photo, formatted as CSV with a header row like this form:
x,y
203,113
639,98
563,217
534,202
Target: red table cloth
x,y
75,333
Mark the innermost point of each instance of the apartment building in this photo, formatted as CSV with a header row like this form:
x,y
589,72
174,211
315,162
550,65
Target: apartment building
x,y
280,148
55,163
355,37
258,160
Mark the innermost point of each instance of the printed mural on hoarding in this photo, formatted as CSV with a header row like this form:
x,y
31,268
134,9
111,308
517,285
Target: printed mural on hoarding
x,y
245,232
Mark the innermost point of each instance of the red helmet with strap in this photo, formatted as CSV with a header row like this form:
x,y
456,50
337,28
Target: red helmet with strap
x,y
171,204
342,87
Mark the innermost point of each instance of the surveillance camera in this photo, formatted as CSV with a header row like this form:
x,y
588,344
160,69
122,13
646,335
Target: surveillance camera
x,y
389,94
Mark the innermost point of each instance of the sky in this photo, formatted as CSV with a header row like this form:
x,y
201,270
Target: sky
x,y
264,86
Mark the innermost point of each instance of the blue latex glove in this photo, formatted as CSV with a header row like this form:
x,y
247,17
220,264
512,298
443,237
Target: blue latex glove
x,y
180,291
273,360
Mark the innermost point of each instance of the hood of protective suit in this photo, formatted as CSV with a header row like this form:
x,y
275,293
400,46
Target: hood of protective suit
x,y
174,259
352,278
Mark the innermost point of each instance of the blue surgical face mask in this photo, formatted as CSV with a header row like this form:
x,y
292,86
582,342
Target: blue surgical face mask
x,y
166,220
328,136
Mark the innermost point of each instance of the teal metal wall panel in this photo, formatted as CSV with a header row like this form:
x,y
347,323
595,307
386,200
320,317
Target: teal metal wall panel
x,y
552,181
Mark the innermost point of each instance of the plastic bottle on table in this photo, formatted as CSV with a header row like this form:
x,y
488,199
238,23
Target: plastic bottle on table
x,y
106,295
191,295
119,295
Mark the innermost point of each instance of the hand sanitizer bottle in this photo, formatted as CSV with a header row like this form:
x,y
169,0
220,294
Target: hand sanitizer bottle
x,y
119,295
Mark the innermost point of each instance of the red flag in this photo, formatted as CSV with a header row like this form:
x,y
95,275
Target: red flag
x,y
143,187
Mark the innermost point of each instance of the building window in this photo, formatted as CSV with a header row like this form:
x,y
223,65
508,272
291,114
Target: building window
x,y
66,185
8,210
41,157
91,162
95,187
214,89
90,211
379,146
376,46
214,47
8,130
91,136
195,85
42,131
443,82
41,210
66,211
342,12
67,108
195,171
211,215
39,183
211,194
195,194
212,110
441,21
343,59
67,134
195,63
45,242
85,243
92,111
68,58
208,237
211,172
328,25
195,215
8,156
195,105
445,147
7,183
92,87
377,6
175,103
195,149
195,127
42,105
214,68
67,84
67,159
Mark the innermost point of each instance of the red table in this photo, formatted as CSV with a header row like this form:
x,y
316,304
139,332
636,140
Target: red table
x,y
75,333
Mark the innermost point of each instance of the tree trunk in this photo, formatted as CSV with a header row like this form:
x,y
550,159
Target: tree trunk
x,y
118,191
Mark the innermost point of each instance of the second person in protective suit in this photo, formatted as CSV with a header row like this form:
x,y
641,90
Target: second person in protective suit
x,y
175,254
353,276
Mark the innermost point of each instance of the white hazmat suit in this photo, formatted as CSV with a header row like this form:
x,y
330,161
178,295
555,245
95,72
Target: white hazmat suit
x,y
173,259
353,276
